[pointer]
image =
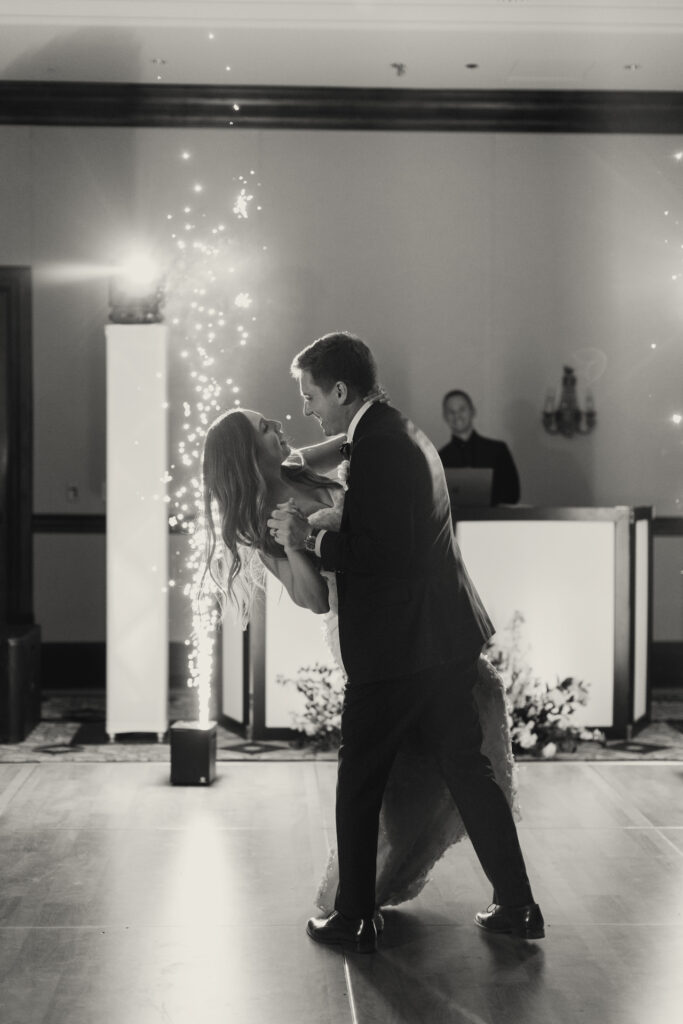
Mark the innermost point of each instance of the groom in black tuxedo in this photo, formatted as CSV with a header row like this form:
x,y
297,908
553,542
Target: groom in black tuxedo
x,y
411,628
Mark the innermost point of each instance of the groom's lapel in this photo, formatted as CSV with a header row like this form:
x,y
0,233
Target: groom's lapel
x,y
368,419
365,426
357,434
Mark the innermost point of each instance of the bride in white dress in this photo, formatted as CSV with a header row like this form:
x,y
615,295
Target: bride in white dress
x,y
248,470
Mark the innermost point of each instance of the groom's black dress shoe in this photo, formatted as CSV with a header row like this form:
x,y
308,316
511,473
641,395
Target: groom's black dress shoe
x,y
358,934
523,922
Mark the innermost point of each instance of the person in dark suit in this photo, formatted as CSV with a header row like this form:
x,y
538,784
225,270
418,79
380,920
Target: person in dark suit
x,y
467,448
411,627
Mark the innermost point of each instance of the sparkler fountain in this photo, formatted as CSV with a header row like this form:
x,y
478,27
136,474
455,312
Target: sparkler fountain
x,y
210,316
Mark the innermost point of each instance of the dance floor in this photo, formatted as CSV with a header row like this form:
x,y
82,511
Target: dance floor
x,y
124,900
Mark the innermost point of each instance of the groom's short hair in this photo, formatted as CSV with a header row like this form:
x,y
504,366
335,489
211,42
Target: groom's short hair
x,y
338,356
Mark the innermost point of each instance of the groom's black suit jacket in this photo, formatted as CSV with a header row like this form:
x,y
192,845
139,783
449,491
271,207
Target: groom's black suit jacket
x,y
406,602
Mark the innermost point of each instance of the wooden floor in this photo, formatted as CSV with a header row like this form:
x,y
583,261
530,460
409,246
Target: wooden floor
x,y
124,900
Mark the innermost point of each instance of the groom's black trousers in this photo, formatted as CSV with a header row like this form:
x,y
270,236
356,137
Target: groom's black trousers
x,y
439,704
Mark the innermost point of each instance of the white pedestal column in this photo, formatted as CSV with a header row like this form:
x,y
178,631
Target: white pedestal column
x,y
137,530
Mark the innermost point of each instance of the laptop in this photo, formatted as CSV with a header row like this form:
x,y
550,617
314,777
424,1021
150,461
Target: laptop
x,y
469,486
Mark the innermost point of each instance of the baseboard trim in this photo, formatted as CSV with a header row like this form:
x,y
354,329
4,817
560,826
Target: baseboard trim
x,y
57,522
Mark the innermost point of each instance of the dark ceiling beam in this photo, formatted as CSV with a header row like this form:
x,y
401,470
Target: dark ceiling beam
x,y
203,106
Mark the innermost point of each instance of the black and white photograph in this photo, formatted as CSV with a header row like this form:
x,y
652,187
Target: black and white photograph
x,y
341,512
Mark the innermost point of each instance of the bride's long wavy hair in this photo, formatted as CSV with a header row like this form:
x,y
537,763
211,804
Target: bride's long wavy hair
x,y
236,509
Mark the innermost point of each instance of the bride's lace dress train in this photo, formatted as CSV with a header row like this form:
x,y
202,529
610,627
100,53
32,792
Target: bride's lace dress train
x,y
419,820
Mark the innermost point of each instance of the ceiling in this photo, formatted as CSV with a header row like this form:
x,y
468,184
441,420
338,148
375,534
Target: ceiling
x,y
486,44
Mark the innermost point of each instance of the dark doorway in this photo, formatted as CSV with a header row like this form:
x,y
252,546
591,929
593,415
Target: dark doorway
x,y
19,637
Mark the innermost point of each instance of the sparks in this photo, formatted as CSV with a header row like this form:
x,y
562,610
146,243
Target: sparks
x,y
241,207
202,319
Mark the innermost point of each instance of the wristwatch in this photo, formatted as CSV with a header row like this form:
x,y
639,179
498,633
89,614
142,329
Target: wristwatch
x,y
309,539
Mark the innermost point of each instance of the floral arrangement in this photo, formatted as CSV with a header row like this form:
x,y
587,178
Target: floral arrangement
x,y
540,715
319,724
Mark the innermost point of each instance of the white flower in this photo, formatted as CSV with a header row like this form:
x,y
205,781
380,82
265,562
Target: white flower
x,y
549,750
527,737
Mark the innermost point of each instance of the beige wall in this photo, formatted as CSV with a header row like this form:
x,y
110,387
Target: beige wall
x,y
473,260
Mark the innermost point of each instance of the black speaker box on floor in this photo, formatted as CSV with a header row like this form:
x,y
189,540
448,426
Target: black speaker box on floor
x,y
193,754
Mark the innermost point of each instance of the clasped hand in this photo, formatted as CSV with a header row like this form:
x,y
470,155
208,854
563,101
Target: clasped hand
x,y
288,526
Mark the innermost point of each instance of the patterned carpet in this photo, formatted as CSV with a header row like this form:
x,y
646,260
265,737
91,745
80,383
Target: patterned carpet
x,y
72,729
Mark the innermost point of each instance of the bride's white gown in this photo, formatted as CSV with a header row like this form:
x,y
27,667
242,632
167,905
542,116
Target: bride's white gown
x,y
419,820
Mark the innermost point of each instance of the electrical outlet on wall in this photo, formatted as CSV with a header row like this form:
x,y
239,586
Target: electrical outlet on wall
x,y
72,492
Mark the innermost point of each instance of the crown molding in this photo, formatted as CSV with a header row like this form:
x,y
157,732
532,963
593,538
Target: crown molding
x,y
199,106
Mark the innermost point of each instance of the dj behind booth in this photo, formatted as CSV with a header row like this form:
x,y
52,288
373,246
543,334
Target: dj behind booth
x,y
479,470
576,580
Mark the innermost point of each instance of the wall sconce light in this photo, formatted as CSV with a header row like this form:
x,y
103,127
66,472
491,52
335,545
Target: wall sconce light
x,y
565,417
136,292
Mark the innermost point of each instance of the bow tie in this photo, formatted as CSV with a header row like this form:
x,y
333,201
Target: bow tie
x,y
345,450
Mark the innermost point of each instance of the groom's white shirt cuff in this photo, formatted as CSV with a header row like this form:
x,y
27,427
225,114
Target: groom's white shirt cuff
x,y
349,437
